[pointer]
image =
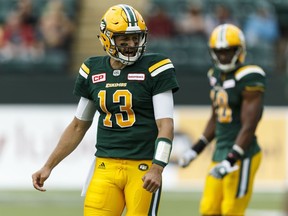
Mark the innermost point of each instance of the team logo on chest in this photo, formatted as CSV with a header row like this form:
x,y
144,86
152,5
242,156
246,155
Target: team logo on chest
x,y
99,78
136,76
116,72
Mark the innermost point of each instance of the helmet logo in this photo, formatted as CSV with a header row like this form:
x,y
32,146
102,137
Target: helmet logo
x,y
103,25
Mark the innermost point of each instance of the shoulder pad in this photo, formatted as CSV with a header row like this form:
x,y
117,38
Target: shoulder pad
x,y
249,69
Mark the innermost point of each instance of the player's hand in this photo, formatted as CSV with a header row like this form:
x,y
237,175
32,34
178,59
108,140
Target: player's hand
x,y
153,178
222,169
187,158
39,177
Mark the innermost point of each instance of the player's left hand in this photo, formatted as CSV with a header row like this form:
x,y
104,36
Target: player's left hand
x,y
153,178
222,169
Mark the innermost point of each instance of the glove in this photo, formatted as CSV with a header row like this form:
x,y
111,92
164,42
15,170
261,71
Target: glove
x,y
188,156
222,169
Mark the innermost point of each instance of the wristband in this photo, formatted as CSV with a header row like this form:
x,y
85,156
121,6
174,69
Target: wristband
x,y
204,139
163,148
200,145
235,154
238,149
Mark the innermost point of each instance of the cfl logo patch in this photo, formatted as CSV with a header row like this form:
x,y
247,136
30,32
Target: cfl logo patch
x,y
143,167
99,78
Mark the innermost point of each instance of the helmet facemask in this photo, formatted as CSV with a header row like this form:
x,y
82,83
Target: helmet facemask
x,y
227,47
123,52
226,59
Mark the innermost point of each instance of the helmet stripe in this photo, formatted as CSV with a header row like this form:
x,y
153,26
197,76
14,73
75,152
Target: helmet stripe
x,y
130,14
221,40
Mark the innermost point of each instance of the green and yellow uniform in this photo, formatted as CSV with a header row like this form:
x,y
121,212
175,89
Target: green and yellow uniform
x,y
127,128
226,96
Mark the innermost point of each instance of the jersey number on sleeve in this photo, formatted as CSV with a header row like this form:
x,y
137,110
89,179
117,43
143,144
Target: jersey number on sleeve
x,y
124,108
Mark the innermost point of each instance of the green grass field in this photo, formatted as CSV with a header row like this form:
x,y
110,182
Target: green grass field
x,y
69,203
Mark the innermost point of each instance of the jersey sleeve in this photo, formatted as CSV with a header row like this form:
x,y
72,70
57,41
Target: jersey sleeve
x,y
81,87
163,74
251,78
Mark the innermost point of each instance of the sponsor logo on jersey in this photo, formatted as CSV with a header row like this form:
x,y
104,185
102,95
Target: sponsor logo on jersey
x,y
143,167
136,76
229,84
99,78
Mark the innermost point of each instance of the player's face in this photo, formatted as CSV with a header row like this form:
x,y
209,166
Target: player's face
x,y
225,55
127,44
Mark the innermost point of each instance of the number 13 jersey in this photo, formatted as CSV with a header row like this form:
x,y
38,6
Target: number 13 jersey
x,y
126,125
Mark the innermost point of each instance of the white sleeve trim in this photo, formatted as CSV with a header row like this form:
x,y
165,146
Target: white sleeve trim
x,y
163,105
86,109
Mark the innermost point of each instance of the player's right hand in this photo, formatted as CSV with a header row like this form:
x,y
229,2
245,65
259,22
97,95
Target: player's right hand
x,y
39,177
187,158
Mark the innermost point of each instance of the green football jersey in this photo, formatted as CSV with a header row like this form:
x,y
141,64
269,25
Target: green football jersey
x,y
226,95
126,125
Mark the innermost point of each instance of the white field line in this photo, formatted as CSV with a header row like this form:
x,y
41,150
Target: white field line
x,y
254,212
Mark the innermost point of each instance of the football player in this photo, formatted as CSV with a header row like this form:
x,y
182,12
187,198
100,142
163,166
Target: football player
x,y
133,93
237,92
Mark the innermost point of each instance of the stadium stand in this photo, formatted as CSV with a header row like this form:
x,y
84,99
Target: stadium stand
x,y
43,58
188,53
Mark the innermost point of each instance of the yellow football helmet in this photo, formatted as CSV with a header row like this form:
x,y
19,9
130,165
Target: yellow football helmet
x,y
227,47
118,20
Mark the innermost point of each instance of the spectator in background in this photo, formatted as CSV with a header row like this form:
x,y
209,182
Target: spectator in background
x,y
261,26
19,41
55,28
220,15
193,22
25,9
159,24
1,36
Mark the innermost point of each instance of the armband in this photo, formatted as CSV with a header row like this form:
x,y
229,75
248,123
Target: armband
x,y
235,154
163,148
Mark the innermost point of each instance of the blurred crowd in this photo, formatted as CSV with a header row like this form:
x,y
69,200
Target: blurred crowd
x,y
27,36
30,35
259,24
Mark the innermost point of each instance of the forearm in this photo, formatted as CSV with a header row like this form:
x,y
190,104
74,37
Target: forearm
x,y
68,142
207,136
244,137
165,128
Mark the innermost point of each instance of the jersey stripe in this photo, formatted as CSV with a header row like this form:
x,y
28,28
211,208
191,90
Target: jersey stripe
x,y
84,71
255,88
159,64
161,69
248,70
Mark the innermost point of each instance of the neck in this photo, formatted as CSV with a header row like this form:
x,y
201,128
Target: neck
x,y
116,65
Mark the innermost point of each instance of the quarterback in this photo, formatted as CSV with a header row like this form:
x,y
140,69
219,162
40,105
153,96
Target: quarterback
x,y
237,92
133,93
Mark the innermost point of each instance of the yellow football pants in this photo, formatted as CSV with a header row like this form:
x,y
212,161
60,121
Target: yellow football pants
x,y
117,184
230,196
